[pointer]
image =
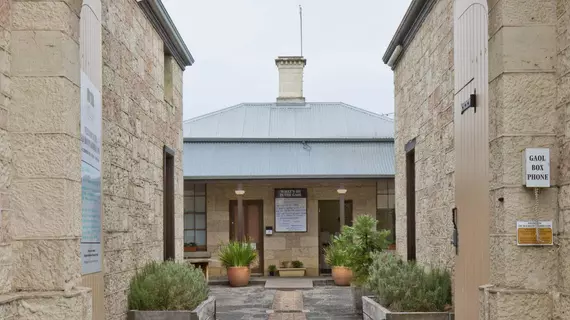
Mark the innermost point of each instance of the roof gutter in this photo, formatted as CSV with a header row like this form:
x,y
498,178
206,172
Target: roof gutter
x,y
412,21
161,21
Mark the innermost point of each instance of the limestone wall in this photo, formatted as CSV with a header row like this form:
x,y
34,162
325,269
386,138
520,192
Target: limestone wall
x,y
40,176
423,81
5,150
282,246
137,123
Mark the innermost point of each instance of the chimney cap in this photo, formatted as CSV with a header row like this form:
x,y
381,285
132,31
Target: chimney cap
x,y
290,60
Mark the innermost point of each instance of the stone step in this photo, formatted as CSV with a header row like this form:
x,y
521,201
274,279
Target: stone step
x,y
289,284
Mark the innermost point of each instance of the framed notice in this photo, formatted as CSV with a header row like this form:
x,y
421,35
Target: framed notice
x,y
290,210
526,233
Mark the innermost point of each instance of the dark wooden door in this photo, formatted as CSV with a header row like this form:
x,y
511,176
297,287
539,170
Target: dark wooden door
x,y
253,215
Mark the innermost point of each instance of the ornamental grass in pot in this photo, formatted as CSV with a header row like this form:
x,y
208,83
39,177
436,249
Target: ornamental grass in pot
x,y
336,256
237,257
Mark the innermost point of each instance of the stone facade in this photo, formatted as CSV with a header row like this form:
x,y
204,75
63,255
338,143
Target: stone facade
x,y
423,82
40,156
528,107
282,246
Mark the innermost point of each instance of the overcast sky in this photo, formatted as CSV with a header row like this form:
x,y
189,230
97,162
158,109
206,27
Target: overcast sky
x,y
235,43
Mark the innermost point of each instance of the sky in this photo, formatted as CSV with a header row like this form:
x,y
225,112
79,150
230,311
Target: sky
x,y
235,43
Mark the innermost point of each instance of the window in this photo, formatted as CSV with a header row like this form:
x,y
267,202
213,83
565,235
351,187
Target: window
x,y
385,208
194,216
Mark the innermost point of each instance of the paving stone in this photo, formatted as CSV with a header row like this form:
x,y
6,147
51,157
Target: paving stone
x,y
288,301
287,316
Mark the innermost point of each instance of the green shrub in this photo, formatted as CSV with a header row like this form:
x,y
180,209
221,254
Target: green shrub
x,y
336,254
297,264
272,268
408,287
361,240
284,264
237,254
167,286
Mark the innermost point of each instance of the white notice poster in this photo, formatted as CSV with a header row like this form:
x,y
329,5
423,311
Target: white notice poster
x,y
91,119
291,210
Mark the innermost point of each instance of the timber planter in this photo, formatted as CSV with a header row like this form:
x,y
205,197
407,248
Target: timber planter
x,y
372,310
204,311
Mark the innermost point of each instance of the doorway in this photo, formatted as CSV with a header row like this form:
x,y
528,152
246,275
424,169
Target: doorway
x,y
329,225
253,217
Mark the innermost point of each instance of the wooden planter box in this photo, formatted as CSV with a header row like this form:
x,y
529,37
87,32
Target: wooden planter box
x,y
205,311
372,310
292,272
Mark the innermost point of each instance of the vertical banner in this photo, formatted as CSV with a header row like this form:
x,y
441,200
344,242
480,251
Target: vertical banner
x,y
90,176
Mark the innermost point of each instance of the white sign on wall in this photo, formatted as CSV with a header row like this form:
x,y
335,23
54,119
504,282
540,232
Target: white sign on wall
x,y
536,167
91,119
291,210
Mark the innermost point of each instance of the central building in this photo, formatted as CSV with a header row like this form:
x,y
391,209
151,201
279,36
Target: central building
x,y
292,172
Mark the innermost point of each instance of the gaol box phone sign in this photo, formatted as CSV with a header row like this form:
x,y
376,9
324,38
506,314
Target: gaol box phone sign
x,y
536,175
536,167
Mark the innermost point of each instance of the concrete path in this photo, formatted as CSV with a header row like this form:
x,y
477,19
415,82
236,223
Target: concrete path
x,y
256,302
289,284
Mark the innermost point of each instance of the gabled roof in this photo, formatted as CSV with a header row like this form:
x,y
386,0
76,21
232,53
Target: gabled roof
x,y
335,121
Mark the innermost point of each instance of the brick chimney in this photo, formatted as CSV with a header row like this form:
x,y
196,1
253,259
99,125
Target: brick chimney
x,y
291,78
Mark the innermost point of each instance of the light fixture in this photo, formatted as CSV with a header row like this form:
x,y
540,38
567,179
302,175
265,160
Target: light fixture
x,y
239,191
341,190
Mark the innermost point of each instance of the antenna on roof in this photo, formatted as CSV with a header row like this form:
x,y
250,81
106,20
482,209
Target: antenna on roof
x,y
301,21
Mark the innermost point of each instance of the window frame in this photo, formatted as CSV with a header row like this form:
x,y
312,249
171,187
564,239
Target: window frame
x,y
387,191
194,213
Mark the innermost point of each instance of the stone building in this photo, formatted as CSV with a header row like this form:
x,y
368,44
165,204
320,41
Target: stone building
x,y
478,82
291,169
90,153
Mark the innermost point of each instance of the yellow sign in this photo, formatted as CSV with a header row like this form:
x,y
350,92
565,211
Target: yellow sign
x,y
526,233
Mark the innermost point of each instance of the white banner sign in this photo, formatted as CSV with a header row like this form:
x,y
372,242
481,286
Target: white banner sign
x,y
91,119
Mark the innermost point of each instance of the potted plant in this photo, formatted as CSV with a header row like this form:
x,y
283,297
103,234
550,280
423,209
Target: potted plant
x,y
185,287
237,258
190,247
403,288
295,269
337,257
361,240
272,269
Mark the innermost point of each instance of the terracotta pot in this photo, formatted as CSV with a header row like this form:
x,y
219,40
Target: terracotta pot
x,y
238,276
341,276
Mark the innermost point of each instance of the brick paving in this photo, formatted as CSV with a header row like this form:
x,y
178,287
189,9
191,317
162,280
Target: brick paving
x,y
255,302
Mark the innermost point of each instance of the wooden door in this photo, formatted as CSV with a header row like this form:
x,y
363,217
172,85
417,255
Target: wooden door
x,y
471,154
253,216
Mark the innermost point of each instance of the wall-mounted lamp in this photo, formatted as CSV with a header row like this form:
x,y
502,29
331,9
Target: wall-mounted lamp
x,y
239,191
341,190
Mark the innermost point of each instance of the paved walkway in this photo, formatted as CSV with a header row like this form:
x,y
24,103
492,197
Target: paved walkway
x,y
256,302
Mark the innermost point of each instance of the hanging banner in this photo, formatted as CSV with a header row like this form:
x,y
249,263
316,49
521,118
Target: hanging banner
x,y
91,119
291,210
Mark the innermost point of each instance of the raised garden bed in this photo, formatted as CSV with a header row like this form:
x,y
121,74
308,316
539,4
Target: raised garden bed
x,y
372,310
205,311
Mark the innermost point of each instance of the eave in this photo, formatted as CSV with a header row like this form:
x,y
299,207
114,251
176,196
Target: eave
x,y
173,43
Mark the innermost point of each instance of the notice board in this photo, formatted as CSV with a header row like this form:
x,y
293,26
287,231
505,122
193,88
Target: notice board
x,y
290,210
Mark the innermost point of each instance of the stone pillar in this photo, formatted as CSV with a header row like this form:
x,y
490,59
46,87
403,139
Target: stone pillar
x,y
45,181
523,113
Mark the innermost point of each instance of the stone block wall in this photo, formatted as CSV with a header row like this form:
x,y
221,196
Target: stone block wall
x,y
5,150
424,93
282,246
139,119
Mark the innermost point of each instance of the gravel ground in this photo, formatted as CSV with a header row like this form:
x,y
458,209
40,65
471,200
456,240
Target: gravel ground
x,y
326,302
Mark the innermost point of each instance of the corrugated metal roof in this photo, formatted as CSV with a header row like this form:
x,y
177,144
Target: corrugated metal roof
x,y
290,121
255,160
